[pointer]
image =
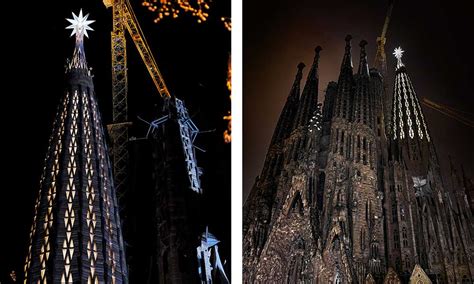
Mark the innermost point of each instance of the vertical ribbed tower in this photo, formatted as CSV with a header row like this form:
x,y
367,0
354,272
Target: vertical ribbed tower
x,y
426,220
343,107
258,208
408,122
76,235
285,122
309,97
352,248
279,217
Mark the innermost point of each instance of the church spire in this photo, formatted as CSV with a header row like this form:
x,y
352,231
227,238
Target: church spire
x,y
295,89
345,83
362,105
288,113
408,120
347,59
76,233
309,97
363,65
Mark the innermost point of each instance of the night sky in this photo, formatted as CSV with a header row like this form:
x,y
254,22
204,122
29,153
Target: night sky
x,y
192,58
280,34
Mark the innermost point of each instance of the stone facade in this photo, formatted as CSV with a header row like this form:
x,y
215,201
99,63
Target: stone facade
x,y
339,200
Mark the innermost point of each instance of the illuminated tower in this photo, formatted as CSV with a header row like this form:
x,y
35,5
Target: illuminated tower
x,y
76,235
408,121
426,223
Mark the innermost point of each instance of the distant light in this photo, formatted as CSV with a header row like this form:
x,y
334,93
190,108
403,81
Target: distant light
x,y
227,23
172,8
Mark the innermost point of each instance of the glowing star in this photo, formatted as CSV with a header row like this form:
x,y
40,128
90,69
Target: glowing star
x,y
398,52
79,25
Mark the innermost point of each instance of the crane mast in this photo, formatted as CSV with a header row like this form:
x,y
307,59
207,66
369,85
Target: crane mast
x,y
118,129
380,63
124,20
380,57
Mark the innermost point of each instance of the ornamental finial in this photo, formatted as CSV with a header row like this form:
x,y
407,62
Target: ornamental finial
x,y
398,52
79,25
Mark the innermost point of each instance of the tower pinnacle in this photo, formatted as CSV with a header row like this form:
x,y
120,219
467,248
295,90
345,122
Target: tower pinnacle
x,y
318,49
301,66
363,65
79,26
288,114
398,52
347,60
309,96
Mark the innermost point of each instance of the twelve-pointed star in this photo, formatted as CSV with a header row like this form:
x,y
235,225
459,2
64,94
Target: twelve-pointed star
x,y
398,52
80,25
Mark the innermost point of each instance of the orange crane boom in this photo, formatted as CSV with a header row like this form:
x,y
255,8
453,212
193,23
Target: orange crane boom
x,y
124,20
380,61
139,40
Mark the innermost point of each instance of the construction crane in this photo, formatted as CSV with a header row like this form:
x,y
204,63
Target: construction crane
x,y
380,61
458,115
124,20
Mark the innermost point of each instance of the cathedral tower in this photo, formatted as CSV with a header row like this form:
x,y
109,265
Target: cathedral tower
x,y
76,235
257,210
352,244
288,224
423,220
346,203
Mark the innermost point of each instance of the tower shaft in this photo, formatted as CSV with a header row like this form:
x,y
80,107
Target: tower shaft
x,y
76,234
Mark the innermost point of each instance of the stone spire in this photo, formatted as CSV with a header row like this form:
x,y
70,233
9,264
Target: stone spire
x,y
347,59
309,97
288,113
363,65
345,84
362,106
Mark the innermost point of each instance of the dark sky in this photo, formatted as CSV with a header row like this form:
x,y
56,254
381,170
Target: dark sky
x,y
192,58
280,34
